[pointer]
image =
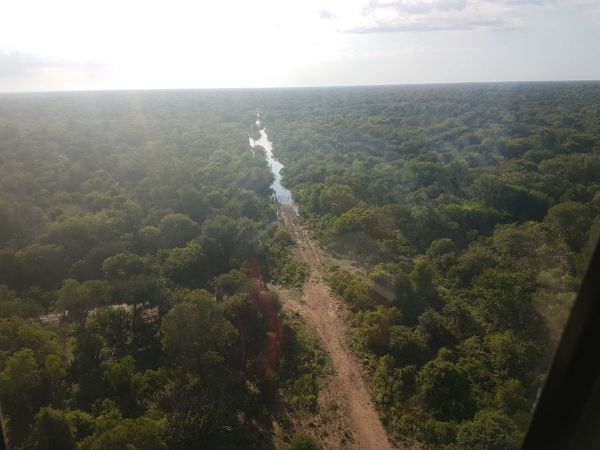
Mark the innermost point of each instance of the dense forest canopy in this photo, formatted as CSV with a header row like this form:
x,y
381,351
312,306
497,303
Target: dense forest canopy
x,y
136,229
474,208
131,227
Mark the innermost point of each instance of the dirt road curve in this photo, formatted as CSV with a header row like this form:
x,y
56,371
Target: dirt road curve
x,y
326,315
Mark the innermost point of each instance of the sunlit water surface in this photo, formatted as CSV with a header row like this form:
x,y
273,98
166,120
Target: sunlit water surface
x,y
282,195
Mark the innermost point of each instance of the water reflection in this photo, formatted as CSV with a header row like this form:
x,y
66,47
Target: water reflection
x,y
281,194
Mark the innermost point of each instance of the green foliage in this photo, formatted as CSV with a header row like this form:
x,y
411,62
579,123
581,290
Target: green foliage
x,y
185,265
231,283
114,325
21,375
573,221
104,228
355,291
336,199
388,382
303,442
122,266
195,333
177,229
37,265
285,271
303,363
476,217
376,327
122,383
149,237
474,208
33,371
291,274
51,430
489,430
27,306
77,299
504,298
445,390
142,433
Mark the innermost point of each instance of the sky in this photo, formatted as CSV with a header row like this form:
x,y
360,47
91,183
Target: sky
x,y
159,44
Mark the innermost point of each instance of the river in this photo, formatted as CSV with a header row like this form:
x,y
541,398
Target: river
x,y
281,194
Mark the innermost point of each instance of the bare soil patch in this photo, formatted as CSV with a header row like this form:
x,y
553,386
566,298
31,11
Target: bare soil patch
x,y
348,413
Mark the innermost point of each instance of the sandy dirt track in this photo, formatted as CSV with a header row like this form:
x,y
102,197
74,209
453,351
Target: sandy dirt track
x,y
326,316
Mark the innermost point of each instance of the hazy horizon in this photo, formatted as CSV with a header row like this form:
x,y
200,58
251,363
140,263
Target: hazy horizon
x,y
70,46
258,88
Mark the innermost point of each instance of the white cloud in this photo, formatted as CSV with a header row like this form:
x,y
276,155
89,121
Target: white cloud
x,y
436,15
189,43
446,15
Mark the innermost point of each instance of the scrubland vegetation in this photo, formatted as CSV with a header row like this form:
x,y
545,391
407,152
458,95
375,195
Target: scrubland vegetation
x,y
136,230
474,209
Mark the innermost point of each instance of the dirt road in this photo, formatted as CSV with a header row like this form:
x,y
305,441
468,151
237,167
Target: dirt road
x,y
326,316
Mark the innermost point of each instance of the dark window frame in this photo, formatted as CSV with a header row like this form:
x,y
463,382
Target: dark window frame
x,y
567,413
